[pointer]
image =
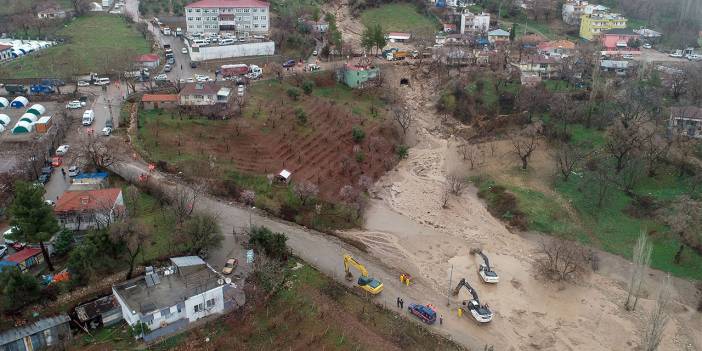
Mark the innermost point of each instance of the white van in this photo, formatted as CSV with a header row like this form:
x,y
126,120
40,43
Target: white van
x,y
228,41
199,42
88,117
102,81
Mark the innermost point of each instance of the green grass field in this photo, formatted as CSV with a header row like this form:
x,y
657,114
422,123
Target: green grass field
x,y
92,43
399,18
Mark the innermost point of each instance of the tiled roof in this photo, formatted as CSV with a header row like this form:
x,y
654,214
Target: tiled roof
x,y
147,58
207,88
227,3
159,97
21,256
5,47
691,112
87,200
564,44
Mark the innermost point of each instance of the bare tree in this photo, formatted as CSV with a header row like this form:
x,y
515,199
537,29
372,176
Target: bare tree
x,y
621,143
684,217
657,320
95,150
183,200
305,191
133,236
404,118
562,259
524,145
365,182
641,258
471,153
653,150
568,157
678,84
248,197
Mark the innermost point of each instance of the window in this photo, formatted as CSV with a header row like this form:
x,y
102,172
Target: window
x,y
238,10
263,18
198,18
198,10
190,18
255,18
210,303
198,308
190,10
246,10
255,25
199,97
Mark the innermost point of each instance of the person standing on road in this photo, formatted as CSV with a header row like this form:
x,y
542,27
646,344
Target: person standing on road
x,y
63,171
441,319
398,302
402,303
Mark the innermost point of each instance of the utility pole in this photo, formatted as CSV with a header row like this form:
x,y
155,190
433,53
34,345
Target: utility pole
x,y
448,292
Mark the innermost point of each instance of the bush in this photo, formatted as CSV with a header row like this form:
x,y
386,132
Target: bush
x,y
293,93
308,86
503,204
17,290
272,244
301,115
360,157
358,134
402,151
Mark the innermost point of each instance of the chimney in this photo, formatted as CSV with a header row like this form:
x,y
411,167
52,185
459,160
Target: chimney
x,y
84,200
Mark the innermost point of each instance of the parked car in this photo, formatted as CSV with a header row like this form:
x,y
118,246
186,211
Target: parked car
x,y
102,81
314,53
230,266
201,78
75,104
167,68
425,313
82,83
647,46
171,61
6,234
161,77
51,203
311,67
3,250
289,63
73,171
57,161
107,131
184,51
62,150
43,178
628,56
193,64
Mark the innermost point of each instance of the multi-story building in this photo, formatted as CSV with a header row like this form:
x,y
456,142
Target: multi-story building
x,y
475,23
617,42
242,16
572,10
592,25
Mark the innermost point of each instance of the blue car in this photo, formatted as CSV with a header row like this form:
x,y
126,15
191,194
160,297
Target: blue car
x,y
425,313
289,63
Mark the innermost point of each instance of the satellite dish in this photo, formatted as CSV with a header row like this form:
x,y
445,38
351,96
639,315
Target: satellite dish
x,y
220,281
228,280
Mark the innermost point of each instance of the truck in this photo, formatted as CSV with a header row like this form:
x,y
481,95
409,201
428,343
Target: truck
x,y
42,89
88,117
397,55
255,72
166,30
239,69
141,75
179,32
15,89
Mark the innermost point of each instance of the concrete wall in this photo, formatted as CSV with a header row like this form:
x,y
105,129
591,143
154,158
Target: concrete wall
x,y
227,51
218,307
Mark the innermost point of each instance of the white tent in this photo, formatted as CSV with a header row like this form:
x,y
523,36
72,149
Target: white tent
x,y
4,119
28,117
37,110
22,127
3,102
2,128
19,102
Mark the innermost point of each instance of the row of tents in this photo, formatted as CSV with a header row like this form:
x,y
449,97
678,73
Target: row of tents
x,y
31,117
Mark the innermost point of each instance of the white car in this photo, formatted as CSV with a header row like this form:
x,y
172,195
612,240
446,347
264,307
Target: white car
x,y
184,51
161,77
6,233
314,53
63,149
200,78
73,171
190,80
240,90
106,131
628,56
647,46
82,83
75,104
50,203
3,250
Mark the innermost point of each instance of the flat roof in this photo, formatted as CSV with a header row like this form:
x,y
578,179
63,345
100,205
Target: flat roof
x,y
173,288
227,3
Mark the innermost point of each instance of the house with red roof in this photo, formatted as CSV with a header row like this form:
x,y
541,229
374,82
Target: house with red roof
x,y
26,258
152,101
556,48
5,52
148,60
89,209
213,16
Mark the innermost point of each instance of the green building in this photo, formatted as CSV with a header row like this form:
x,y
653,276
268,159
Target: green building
x,y
355,75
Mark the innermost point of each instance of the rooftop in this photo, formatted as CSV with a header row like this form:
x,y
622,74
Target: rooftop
x,y
23,255
159,97
621,31
90,310
227,3
147,58
498,32
561,44
87,200
399,35
11,335
186,278
205,88
689,112
5,47
540,59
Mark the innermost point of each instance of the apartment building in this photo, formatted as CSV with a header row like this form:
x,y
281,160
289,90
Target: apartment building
x,y
593,25
241,16
475,23
573,10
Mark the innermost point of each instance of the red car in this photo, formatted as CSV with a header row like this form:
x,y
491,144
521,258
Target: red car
x,y
57,161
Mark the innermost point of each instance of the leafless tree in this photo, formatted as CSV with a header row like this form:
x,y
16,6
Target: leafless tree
x,y
305,191
678,84
454,186
471,153
183,200
80,6
248,197
684,216
622,142
562,259
524,144
96,151
133,236
659,317
568,157
404,118
641,258
654,149
365,182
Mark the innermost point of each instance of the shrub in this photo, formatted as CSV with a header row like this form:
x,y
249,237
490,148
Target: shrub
x,y
402,151
360,157
307,87
293,93
273,244
358,134
301,115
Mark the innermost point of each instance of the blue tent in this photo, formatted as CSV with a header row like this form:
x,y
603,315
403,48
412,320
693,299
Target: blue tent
x,y
96,175
6,264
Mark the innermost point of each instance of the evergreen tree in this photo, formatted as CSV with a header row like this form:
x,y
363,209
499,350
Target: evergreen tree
x,y
17,289
34,218
513,32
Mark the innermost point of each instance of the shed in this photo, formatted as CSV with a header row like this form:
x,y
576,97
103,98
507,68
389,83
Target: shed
x,y
7,264
29,118
104,311
4,119
284,176
3,102
26,258
19,102
48,333
37,110
43,124
22,127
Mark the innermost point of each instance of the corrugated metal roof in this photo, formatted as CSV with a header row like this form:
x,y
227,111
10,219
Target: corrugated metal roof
x,y
185,261
91,175
11,335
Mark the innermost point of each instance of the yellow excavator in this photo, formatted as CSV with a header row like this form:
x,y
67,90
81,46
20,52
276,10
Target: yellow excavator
x,y
366,283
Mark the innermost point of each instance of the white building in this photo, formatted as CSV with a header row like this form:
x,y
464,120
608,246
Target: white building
x,y
242,16
475,23
572,10
166,300
89,209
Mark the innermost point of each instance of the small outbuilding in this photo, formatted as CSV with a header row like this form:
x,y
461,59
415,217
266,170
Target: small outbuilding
x,y
37,110
19,102
43,124
4,119
26,258
4,103
104,311
22,127
52,333
29,117
284,176
399,37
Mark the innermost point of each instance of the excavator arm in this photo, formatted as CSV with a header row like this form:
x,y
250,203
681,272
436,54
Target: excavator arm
x,y
463,283
350,261
485,259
